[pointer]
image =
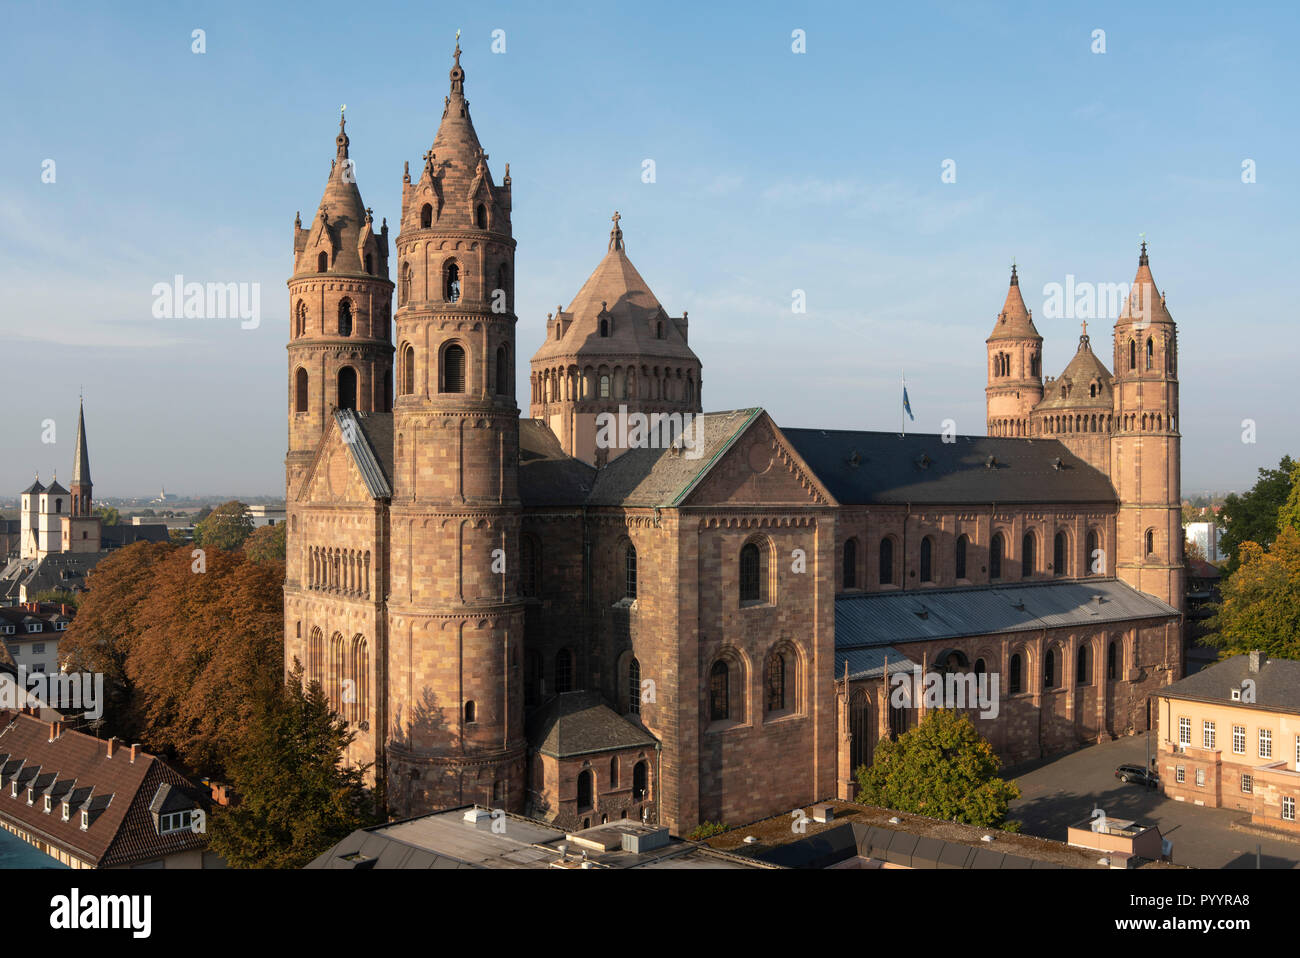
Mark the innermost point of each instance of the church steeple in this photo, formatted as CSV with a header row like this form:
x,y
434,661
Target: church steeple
x,y
81,484
1015,379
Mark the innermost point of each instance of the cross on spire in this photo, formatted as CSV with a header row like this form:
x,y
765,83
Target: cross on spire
x,y
616,234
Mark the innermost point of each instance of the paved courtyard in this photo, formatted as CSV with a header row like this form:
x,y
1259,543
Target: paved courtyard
x,y
1065,790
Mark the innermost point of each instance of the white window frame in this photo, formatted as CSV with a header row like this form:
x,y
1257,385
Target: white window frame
x,y
49,804
1288,808
1200,778
1207,735
1180,774
1239,740
1266,743
170,822
1184,730
67,811
1247,784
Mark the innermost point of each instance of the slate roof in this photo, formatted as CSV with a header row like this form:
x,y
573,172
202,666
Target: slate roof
x,y
373,449
664,477
115,537
1277,684
869,468
578,723
547,475
1083,369
117,789
885,618
58,570
869,663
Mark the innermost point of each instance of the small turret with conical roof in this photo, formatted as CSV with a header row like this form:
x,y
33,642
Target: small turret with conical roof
x,y
1015,370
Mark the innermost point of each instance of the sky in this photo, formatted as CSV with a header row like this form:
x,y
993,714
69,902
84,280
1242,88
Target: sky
x,y
775,171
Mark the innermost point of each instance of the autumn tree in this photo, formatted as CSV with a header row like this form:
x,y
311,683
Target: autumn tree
x,y
267,543
297,796
1253,516
226,527
942,768
1260,601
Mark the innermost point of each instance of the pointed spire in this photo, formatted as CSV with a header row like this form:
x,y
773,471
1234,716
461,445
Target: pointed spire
x,y
1014,321
457,74
1142,257
616,234
1015,280
81,462
341,141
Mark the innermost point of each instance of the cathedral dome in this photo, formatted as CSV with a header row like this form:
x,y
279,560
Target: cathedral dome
x,y
1085,383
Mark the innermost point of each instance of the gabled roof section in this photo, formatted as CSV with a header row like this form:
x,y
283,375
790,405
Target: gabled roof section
x,y
369,437
891,618
547,475
876,468
665,476
1277,684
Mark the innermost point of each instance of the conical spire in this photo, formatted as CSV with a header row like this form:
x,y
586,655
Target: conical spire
x,y
1014,321
1145,304
81,462
456,142
338,222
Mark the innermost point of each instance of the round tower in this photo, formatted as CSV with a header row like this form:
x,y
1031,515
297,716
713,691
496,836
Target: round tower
x,y
614,351
1146,456
1015,367
456,620
340,308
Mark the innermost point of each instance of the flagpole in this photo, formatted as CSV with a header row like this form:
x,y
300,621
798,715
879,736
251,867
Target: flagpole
x,y
902,412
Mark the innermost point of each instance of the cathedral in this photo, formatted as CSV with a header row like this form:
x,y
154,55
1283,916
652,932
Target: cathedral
x,y
586,624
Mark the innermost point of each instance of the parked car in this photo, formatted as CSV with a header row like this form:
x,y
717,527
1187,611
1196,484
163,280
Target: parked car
x,y
1138,775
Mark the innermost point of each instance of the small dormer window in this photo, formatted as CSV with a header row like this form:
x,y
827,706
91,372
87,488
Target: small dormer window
x,y
31,796
85,820
1236,695
174,822
67,811
322,264
49,804
13,790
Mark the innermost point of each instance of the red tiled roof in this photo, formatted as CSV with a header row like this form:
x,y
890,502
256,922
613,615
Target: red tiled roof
x,y
123,832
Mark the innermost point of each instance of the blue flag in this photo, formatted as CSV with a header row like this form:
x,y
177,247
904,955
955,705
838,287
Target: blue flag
x,y
907,406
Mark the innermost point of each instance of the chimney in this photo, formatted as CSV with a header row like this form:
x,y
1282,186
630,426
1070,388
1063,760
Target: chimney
x,y
1255,660
112,744
55,729
135,750
63,608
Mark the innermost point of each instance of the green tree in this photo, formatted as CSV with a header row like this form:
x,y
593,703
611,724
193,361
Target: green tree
x,y
226,527
1260,607
1252,516
296,795
108,514
57,597
942,768
266,543
1288,516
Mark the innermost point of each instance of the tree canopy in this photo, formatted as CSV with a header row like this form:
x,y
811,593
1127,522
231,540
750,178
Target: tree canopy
x,y
942,768
296,796
226,527
267,543
1253,516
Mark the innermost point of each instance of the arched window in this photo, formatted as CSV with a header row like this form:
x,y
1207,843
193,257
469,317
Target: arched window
x,y
996,549
639,779
1151,541
345,317
776,682
1112,660
1151,352
453,369
563,671
300,390
659,329
370,265
851,564
886,561
406,283
1028,560
1095,561
1013,684
1049,669
629,572
470,712
503,372
480,216
426,216
604,327
927,559
604,387
347,388
613,772
1082,673
300,319
408,370
1092,390
962,543
322,262
719,692
584,790
1132,354
1059,561
751,582
451,282
58,506
528,566
979,668
634,687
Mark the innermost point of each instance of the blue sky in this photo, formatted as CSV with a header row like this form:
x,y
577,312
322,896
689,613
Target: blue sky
x,y
775,171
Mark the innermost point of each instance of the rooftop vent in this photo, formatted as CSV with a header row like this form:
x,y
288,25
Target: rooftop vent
x,y
991,462
924,461
1057,464
855,459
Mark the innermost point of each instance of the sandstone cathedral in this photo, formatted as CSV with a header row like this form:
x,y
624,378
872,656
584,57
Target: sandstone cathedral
x,y
516,612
